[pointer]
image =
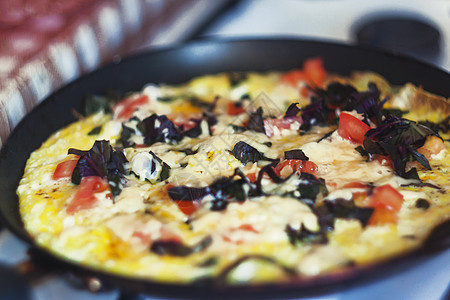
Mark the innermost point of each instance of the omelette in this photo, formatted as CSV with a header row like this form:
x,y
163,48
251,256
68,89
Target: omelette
x,y
244,177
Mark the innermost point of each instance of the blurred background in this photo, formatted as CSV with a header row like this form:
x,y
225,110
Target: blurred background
x,y
45,44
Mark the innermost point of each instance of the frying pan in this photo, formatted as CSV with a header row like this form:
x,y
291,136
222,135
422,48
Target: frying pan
x,y
177,65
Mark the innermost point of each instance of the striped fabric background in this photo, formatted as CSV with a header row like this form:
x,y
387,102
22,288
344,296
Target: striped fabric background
x,y
45,49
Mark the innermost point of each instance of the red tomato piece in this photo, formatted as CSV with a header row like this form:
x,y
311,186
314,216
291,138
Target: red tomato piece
x,y
243,227
304,91
433,145
351,128
284,123
252,177
293,77
383,216
188,207
384,160
292,163
248,227
387,202
308,167
187,124
127,106
315,71
228,240
354,185
235,108
387,197
65,169
297,165
359,197
84,197
145,238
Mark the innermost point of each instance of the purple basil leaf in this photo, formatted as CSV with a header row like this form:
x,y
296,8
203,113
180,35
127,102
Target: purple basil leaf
x,y
420,158
185,193
246,153
292,111
295,154
372,147
309,188
88,167
315,114
367,103
194,131
400,139
336,94
256,121
101,160
223,190
341,208
412,174
94,161
77,152
159,129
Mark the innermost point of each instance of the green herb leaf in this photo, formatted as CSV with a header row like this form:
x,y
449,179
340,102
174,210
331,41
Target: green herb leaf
x,y
305,236
236,78
95,103
95,130
246,153
341,208
174,248
310,187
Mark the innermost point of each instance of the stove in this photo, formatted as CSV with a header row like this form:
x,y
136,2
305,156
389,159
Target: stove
x,y
412,27
348,21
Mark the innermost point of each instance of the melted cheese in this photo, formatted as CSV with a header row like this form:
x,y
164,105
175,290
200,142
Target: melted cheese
x,y
340,163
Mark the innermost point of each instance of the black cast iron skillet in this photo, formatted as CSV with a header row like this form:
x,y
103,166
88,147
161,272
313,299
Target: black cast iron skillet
x,y
176,66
